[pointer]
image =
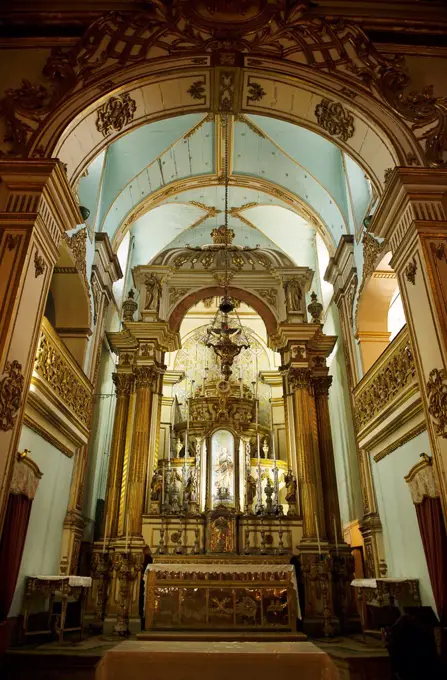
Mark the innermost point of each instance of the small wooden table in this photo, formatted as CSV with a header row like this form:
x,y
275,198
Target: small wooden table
x,y
385,592
51,587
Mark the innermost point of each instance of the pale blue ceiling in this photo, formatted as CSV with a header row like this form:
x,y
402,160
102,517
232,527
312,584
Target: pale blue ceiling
x,y
162,152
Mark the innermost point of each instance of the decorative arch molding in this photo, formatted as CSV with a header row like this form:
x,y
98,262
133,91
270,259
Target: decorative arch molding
x,y
257,62
179,311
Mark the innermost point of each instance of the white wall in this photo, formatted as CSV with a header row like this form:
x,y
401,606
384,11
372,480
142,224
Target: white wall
x,y
343,436
404,552
43,541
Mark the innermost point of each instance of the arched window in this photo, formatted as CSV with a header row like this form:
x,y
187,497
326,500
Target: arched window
x,y
396,315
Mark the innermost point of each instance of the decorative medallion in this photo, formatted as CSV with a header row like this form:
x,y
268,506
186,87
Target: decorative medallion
x,y
255,92
437,400
115,114
197,89
333,117
11,241
11,388
39,264
410,271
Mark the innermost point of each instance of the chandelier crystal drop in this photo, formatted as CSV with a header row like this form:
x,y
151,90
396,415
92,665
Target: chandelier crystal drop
x,y
226,335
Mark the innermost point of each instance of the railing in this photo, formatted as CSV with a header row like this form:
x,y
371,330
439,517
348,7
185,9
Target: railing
x,y
58,374
392,376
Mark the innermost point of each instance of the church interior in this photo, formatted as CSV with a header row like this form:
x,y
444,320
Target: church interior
x,y
223,339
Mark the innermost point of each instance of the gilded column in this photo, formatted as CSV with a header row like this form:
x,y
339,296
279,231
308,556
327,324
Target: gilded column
x,y
321,386
123,386
308,456
36,208
145,378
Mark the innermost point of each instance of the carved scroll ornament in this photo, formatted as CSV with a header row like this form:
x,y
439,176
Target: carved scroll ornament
x,y
280,29
437,400
422,480
11,388
333,117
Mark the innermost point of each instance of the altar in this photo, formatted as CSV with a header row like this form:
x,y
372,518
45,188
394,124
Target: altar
x,y
221,594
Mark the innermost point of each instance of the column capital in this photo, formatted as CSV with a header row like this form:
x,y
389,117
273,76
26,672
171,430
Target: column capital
x,y
321,384
145,376
123,383
299,378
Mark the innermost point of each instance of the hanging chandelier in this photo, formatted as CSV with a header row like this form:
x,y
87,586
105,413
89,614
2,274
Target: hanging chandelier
x,y
226,335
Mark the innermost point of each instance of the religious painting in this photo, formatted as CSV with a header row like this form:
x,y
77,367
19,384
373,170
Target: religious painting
x,y
223,468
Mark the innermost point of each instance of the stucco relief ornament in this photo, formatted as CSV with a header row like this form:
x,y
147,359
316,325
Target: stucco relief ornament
x,y
129,306
410,271
333,117
437,399
11,388
115,114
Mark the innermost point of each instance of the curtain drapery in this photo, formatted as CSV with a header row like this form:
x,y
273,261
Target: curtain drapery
x,y
24,483
11,548
431,525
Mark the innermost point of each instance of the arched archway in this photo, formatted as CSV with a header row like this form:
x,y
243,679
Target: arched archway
x,y
264,311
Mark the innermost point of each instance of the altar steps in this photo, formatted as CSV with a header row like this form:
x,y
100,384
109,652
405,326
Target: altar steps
x,y
221,636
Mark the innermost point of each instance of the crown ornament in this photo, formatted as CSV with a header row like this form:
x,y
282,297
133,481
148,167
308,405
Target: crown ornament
x,y
222,235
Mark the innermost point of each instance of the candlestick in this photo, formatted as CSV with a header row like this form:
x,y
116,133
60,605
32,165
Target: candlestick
x,y
273,432
318,533
163,489
335,534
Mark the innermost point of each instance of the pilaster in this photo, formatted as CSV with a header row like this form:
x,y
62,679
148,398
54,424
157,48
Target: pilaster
x,y
105,271
412,216
36,208
342,273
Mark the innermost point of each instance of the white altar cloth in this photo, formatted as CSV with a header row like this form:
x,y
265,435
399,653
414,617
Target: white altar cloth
x,y
73,581
260,570
372,582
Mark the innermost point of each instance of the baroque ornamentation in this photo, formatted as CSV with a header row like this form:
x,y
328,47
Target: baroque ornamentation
x,y
269,294
410,271
350,296
372,252
255,92
437,400
78,246
153,292
11,241
145,376
123,383
439,250
115,114
333,117
11,388
129,306
197,89
226,91
278,29
56,371
299,378
396,373
39,264
176,293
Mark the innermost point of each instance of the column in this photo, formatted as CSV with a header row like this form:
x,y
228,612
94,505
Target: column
x,y
123,386
36,208
412,216
308,456
145,379
321,386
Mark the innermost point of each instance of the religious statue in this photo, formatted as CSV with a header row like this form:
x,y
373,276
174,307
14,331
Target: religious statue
x,y
250,492
190,493
174,491
224,474
153,292
156,491
291,487
269,490
221,540
294,295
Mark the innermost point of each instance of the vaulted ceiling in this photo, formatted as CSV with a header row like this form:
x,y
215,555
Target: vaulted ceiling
x,y
164,183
